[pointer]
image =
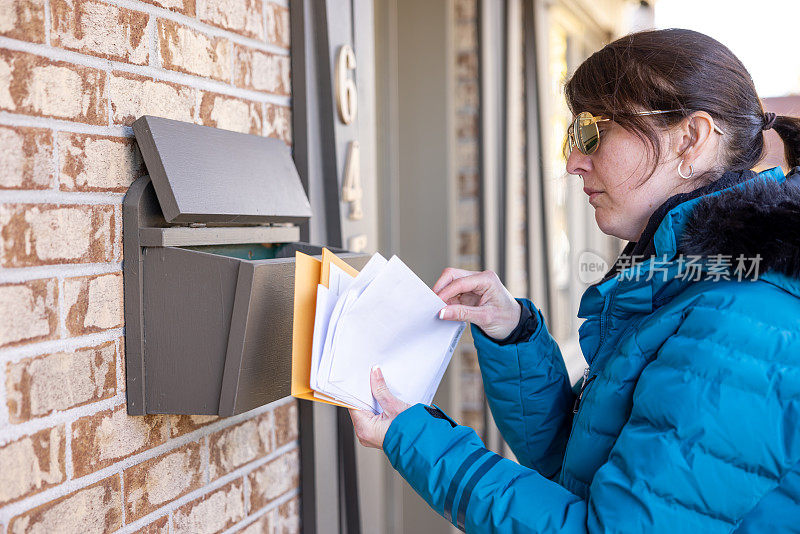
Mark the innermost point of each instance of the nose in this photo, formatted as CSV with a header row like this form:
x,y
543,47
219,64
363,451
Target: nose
x,y
578,162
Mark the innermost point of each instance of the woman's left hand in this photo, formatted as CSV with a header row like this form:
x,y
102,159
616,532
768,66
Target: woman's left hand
x,y
371,428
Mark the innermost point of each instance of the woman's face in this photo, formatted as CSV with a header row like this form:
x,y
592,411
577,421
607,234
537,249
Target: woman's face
x,y
622,207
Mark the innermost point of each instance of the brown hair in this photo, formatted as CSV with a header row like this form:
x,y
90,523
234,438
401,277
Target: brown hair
x,y
682,70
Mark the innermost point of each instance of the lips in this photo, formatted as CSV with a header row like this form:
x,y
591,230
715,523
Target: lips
x,y
590,191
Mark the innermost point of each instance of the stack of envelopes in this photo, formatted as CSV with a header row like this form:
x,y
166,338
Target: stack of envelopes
x,y
346,322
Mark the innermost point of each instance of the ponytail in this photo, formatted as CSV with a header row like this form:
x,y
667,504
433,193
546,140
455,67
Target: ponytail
x,y
788,128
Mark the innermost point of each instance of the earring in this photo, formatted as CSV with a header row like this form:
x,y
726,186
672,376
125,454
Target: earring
x,y
691,170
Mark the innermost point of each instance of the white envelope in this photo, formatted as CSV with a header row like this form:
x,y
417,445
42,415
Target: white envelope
x,y
324,308
326,360
334,306
392,323
339,281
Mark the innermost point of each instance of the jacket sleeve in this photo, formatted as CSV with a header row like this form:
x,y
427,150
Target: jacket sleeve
x,y
712,431
529,393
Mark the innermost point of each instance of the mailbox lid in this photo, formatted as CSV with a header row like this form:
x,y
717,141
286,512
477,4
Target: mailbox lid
x,y
206,175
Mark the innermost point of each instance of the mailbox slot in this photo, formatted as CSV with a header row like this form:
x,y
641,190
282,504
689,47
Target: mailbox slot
x,y
208,302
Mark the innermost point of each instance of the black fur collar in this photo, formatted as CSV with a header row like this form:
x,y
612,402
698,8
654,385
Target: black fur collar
x,y
757,217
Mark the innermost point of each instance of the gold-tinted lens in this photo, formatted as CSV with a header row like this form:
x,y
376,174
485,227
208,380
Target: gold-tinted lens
x,y
587,134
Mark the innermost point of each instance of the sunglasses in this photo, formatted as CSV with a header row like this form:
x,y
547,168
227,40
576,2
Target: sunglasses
x,y
584,133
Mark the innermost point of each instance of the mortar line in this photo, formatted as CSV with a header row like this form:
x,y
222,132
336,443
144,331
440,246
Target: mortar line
x,y
66,198
15,354
25,274
18,119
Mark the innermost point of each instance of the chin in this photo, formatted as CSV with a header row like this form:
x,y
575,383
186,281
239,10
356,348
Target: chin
x,y
607,225
602,223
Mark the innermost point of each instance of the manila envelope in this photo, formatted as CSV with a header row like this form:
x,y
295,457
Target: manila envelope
x,y
308,273
329,257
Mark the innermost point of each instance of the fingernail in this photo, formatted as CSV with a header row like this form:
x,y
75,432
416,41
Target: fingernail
x,y
441,313
375,369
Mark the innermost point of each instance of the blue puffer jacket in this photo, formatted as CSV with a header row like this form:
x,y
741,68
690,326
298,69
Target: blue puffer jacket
x,y
690,417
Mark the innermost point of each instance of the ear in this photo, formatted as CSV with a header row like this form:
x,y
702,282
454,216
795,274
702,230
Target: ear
x,y
694,135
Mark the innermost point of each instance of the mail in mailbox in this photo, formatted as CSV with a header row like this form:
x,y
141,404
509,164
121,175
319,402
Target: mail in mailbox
x,y
209,242
384,315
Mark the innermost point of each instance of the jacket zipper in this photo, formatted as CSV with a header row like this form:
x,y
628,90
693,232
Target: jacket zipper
x,y
603,327
586,382
586,378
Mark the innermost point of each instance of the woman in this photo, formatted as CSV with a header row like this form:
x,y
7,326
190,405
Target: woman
x,y
687,417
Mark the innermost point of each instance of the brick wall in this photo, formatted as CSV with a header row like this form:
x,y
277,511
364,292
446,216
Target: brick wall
x,y
467,135
467,89
74,74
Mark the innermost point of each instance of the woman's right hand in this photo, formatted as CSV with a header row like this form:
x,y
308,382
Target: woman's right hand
x,y
479,298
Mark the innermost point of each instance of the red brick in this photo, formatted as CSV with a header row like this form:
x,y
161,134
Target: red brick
x,y
90,162
93,303
35,85
262,71
95,509
274,479
469,243
468,184
288,520
469,361
466,9
187,7
45,234
109,436
237,445
278,123
277,25
31,464
26,158
186,50
183,424
159,526
467,65
155,482
133,96
22,19
229,113
241,16
28,312
38,386
211,513
286,424
100,29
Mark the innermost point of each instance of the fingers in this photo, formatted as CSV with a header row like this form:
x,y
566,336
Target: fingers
x,y
391,405
448,275
459,312
473,283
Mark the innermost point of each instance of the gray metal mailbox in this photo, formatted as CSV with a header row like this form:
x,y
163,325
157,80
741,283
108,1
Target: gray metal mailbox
x,y
209,241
